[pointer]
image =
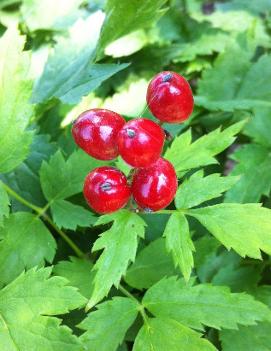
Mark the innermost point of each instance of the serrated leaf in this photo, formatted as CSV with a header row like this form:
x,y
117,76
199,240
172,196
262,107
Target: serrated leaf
x,y
62,178
24,179
247,338
24,243
4,204
245,228
123,18
15,109
49,14
179,243
70,58
198,189
106,327
203,304
78,272
236,91
151,264
258,126
162,334
120,245
185,154
25,309
254,167
69,216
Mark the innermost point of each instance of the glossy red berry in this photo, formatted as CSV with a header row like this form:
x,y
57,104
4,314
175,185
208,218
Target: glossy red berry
x,y
154,187
140,142
95,131
106,189
170,97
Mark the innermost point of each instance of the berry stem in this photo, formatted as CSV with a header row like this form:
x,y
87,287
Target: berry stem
x,y
41,212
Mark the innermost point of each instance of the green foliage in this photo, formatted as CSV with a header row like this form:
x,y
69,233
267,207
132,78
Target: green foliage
x,y
120,245
29,321
203,263
15,110
203,304
119,312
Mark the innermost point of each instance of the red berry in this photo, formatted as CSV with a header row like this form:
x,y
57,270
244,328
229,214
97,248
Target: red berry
x,y
106,189
140,142
170,97
154,187
95,131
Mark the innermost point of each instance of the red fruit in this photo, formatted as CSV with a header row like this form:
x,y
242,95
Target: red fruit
x,y
106,189
95,131
154,188
140,142
170,97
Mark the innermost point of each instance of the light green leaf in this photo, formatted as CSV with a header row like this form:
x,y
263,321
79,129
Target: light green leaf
x,y
78,272
151,264
120,245
69,216
185,154
70,58
26,307
106,327
124,17
4,204
48,14
15,109
24,243
254,168
245,228
247,338
236,91
179,243
62,178
259,125
257,7
198,189
204,304
162,334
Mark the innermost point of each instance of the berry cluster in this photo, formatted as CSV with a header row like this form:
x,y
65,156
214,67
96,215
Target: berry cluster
x,y
104,134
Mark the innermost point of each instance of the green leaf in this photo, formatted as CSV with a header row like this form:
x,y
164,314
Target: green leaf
x,y
26,307
120,245
198,189
69,216
25,178
68,63
236,91
263,294
78,272
245,228
106,327
48,14
257,7
179,243
62,178
24,243
15,109
254,167
162,334
151,264
247,338
123,18
4,204
185,155
258,126
204,304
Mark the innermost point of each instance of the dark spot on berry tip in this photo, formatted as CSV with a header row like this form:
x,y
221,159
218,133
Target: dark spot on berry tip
x,y
106,186
131,133
147,210
167,77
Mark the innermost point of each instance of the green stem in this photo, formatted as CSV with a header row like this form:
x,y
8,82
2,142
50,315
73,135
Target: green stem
x,y
41,212
140,306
